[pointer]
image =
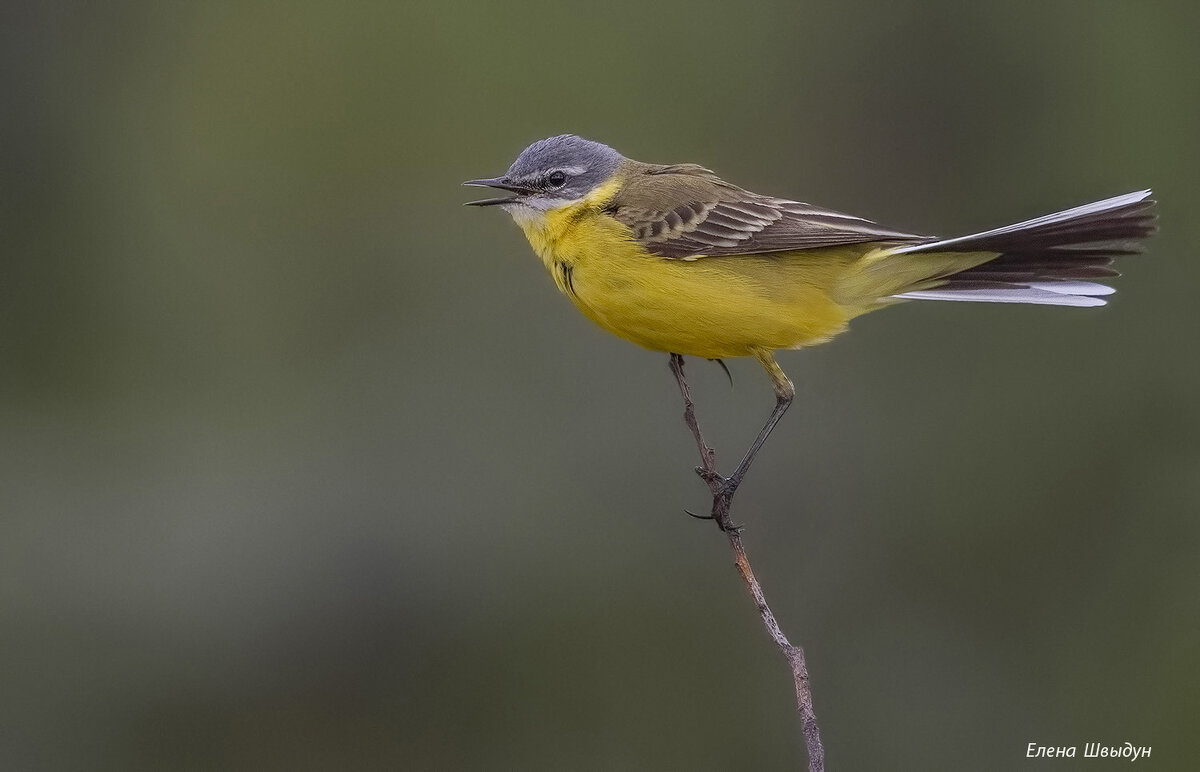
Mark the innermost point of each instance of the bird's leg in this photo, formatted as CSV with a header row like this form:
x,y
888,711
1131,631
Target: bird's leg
x,y
708,457
784,392
723,488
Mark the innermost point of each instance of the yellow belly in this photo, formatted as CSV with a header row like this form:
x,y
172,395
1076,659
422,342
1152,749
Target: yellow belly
x,y
713,307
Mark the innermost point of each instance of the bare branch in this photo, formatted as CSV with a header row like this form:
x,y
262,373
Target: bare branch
x,y
723,490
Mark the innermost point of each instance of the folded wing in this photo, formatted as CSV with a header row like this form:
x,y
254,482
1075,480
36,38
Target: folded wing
x,y
686,212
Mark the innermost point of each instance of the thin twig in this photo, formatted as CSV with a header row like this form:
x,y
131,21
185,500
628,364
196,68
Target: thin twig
x,y
722,490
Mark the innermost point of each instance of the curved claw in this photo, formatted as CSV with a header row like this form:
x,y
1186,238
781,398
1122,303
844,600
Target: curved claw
x,y
728,374
698,517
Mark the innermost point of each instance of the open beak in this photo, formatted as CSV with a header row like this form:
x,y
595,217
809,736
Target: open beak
x,y
499,183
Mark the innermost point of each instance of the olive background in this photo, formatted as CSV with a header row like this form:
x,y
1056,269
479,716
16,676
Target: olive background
x,y
305,466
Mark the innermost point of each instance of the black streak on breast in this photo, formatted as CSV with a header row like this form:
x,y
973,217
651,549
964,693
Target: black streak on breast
x,y
566,270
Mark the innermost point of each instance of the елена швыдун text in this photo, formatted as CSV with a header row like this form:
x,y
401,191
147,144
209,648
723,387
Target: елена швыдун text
x,y
1090,751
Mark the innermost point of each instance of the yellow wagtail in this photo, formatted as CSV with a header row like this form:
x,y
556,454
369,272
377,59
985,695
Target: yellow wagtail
x,y
675,259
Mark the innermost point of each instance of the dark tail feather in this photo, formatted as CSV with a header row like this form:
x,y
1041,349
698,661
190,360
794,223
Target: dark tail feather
x,y
1048,259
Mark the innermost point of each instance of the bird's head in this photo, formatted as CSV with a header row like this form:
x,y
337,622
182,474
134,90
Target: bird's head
x,y
551,174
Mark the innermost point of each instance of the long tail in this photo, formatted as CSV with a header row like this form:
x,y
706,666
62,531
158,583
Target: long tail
x,y
1047,260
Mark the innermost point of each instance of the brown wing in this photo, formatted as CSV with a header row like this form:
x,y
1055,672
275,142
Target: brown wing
x,y
686,211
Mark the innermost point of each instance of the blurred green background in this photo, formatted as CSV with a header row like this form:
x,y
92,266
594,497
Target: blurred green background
x,y
304,466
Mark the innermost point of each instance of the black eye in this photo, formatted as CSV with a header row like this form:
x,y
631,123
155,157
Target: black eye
x,y
557,179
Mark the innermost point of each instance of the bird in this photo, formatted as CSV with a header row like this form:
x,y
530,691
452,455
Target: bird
x,y
677,260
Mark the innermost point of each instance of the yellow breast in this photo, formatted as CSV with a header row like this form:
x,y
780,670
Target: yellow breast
x,y
712,307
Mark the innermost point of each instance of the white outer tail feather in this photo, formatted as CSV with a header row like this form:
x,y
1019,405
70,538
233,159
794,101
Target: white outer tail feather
x,y
1029,296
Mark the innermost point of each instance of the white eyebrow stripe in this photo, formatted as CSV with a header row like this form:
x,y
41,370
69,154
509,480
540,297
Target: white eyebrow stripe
x,y
571,169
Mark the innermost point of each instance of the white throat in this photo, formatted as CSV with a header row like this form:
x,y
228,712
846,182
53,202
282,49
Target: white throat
x,y
532,211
